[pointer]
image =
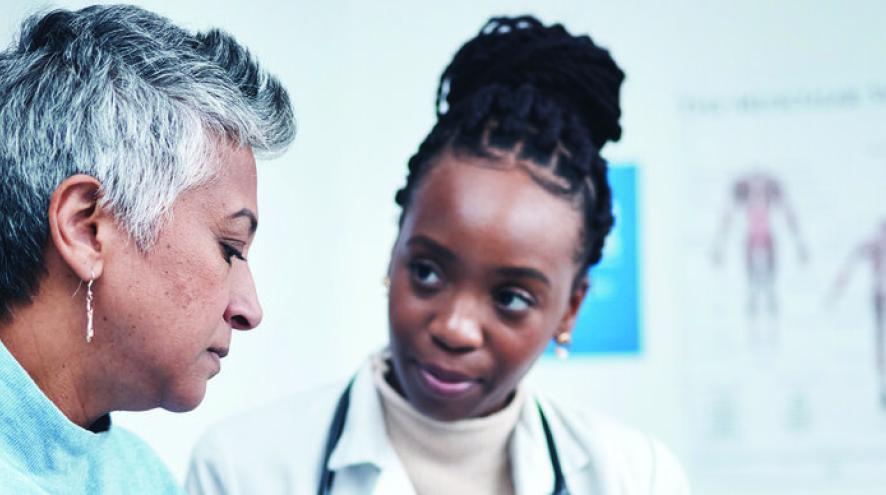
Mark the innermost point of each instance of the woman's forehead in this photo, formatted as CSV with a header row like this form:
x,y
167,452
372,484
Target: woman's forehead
x,y
233,189
493,208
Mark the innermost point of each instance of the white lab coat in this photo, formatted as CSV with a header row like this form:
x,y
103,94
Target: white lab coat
x,y
279,449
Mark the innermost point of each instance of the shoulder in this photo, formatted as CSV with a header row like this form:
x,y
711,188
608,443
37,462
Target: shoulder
x,y
273,448
16,478
137,462
116,461
626,457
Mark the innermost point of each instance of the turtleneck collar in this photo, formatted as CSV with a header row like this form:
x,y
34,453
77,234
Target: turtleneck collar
x,y
440,456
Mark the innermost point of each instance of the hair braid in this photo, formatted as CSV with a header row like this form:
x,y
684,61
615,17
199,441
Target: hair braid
x,y
521,85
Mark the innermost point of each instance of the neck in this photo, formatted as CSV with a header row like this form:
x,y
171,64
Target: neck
x,y
44,339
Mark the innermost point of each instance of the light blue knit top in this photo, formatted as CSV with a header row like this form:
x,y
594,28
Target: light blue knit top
x,y
41,451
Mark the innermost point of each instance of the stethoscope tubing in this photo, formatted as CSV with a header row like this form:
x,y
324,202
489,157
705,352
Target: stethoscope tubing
x,y
327,476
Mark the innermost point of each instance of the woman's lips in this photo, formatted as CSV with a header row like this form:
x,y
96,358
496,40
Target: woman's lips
x,y
217,354
220,351
445,383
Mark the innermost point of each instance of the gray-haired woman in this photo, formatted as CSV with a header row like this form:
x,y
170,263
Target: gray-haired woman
x,y
127,207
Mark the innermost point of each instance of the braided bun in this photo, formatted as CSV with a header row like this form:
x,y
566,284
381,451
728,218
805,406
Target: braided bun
x,y
540,91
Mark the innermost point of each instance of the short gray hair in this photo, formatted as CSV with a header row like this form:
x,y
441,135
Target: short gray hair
x,y
125,96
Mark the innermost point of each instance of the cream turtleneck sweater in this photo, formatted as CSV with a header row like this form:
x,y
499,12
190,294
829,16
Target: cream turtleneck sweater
x,y
445,457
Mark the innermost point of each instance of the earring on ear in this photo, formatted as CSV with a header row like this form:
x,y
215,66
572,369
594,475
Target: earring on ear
x,y
562,350
90,331
386,281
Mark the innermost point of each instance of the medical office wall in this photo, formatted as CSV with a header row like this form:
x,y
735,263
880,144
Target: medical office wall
x,y
735,313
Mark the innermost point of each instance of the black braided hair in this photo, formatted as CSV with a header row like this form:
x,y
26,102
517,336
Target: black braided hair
x,y
553,98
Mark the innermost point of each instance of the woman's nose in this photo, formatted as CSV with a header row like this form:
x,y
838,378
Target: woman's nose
x,y
458,329
243,311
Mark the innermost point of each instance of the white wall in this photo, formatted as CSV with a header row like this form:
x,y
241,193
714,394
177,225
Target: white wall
x,y
362,76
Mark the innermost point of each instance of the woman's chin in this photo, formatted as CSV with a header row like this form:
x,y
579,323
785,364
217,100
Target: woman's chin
x,y
185,400
438,408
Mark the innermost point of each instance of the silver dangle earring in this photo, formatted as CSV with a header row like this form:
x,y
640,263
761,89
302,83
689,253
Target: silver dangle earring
x,y
90,331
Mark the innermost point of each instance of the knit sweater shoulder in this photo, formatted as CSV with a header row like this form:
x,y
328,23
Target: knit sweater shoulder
x,y
42,452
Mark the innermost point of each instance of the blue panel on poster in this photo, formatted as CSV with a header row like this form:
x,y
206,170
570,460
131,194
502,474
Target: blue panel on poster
x,y
609,320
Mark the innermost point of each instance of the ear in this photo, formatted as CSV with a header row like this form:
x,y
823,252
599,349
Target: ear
x,y
77,225
576,297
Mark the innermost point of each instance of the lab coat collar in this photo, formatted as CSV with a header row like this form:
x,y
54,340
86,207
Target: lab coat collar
x,y
364,441
530,459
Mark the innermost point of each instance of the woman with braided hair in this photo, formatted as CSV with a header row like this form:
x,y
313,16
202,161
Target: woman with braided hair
x,y
505,208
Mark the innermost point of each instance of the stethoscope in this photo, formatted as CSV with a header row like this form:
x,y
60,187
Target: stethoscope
x,y
338,426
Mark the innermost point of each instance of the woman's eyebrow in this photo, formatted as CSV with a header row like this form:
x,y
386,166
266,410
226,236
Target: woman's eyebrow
x,y
248,214
432,245
522,272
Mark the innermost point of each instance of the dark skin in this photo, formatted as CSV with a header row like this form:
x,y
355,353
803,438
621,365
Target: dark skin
x,y
482,277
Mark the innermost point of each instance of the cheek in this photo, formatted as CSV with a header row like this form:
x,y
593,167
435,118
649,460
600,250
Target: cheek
x,y
199,288
194,282
188,286
516,349
406,314
410,313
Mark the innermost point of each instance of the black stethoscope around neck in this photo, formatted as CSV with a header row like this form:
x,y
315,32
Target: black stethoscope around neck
x,y
338,426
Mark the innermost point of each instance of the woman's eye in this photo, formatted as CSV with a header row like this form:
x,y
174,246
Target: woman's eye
x,y
425,274
230,252
513,301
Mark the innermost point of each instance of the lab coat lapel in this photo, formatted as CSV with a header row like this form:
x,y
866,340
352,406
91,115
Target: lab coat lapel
x,y
393,479
364,456
530,463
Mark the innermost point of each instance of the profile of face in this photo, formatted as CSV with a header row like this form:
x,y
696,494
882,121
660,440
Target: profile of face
x,y
482,278
167,315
